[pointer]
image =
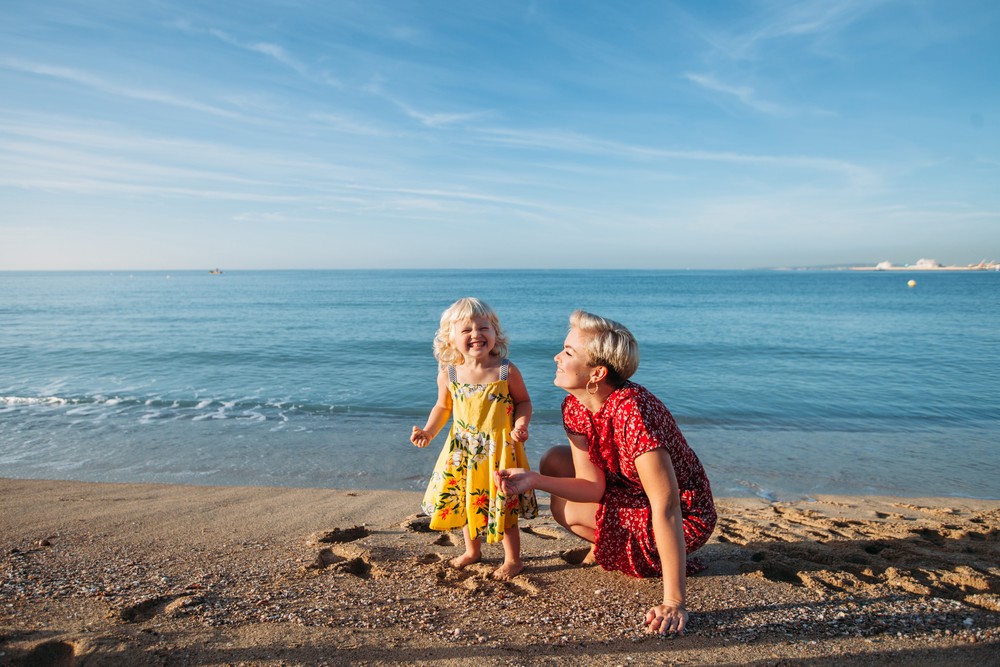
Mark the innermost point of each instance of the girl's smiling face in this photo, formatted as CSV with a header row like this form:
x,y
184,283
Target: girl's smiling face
x,y
474,338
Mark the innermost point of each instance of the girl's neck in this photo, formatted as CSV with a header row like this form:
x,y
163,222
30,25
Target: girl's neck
x,y
478,371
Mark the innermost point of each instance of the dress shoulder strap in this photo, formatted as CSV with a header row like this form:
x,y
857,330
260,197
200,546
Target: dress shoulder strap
x,y
503,368
452,376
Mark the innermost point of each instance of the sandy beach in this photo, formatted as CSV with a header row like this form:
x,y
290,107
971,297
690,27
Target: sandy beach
x,y
134,574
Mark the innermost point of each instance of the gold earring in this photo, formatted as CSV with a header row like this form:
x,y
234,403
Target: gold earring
x,y
596,387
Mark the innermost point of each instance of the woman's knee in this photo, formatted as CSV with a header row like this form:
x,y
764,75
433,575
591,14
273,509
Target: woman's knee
x,y
557,462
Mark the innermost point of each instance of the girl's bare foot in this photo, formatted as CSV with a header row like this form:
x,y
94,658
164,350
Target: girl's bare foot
x,y
508,570
459,562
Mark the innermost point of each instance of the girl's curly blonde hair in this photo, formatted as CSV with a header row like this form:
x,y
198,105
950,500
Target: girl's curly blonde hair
x,y
465,309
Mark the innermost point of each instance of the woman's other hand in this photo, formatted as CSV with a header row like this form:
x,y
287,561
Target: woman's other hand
x,y
669,618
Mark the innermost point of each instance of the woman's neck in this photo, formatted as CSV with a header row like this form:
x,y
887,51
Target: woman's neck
x,y
594,402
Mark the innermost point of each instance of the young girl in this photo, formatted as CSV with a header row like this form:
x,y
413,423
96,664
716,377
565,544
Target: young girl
x,y
485,396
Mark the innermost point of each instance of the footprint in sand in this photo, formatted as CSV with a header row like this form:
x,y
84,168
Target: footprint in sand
x,y
51,654
417,523
543,532
446,540
430,559
169,605
578,556
477,578
947,554
339,535
327,558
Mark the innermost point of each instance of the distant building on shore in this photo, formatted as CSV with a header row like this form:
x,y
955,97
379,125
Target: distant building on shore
x,y
924,264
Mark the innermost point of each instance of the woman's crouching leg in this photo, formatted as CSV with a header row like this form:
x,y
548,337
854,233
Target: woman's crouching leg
x,y
698,526
579,518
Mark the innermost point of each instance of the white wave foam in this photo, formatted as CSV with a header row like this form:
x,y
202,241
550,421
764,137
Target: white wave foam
x,y
32,400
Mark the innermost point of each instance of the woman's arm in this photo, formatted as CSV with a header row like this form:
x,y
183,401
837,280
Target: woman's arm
x,y
522,404
439,414
656,473
586,487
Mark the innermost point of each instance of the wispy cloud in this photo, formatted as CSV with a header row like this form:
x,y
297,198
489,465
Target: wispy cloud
x,y
816,18
582,144
275,52
94,82
745,94
439,119
347,125
428,119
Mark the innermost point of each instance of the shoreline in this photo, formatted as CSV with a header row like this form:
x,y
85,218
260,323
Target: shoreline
x,y
150,574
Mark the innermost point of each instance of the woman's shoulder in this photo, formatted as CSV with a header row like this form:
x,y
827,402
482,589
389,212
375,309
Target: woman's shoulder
x,y
573,409
632,397
627,394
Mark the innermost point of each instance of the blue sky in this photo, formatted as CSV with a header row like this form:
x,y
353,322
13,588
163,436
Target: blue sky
x,y
288,134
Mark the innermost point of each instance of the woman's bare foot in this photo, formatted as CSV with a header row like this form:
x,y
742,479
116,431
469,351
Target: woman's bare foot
x,y
508,570
459,562
590,558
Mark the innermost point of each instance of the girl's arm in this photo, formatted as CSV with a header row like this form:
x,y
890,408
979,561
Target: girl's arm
x,y
656,473
586,487
439,415
522,404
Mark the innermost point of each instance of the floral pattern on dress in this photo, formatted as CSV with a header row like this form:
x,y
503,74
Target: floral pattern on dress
x,y
631,422
461,488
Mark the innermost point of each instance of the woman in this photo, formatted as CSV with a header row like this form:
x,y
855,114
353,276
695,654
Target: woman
x,y
628,483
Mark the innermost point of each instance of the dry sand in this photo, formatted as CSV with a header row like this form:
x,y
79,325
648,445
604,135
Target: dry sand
x,y
113,574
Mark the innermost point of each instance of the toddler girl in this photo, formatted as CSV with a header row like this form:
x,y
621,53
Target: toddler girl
x,y
485,396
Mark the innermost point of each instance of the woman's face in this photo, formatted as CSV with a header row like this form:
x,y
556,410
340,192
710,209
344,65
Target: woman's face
x,y
572,369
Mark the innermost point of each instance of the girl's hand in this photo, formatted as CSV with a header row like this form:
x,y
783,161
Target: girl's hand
x,y
420,437
519,434
514,481
667,618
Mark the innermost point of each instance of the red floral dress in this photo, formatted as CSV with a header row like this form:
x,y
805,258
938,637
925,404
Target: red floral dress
x,y
632,422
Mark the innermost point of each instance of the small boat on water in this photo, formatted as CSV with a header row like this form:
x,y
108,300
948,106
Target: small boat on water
x,y
216,272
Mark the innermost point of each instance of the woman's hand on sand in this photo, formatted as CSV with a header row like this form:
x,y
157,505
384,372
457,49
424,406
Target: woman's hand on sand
x,y
669,618
420,437
514,481
519,434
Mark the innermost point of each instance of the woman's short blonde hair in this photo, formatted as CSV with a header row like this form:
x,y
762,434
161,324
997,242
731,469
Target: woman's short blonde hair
x,y
611,345
465,309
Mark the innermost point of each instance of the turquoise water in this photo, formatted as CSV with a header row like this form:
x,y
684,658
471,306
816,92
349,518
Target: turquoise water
x,y
786,383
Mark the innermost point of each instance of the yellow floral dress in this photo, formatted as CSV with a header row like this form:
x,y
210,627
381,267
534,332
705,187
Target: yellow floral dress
x,y
461,489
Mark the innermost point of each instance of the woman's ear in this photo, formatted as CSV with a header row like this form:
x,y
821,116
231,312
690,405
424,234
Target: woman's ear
x,y
599,373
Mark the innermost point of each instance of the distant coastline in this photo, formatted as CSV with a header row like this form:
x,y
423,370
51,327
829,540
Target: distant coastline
x,y
929,265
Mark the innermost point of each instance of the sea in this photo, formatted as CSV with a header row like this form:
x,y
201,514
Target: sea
x,y
787,384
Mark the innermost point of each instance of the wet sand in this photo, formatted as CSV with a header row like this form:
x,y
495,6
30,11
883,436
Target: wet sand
x,y
136,574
